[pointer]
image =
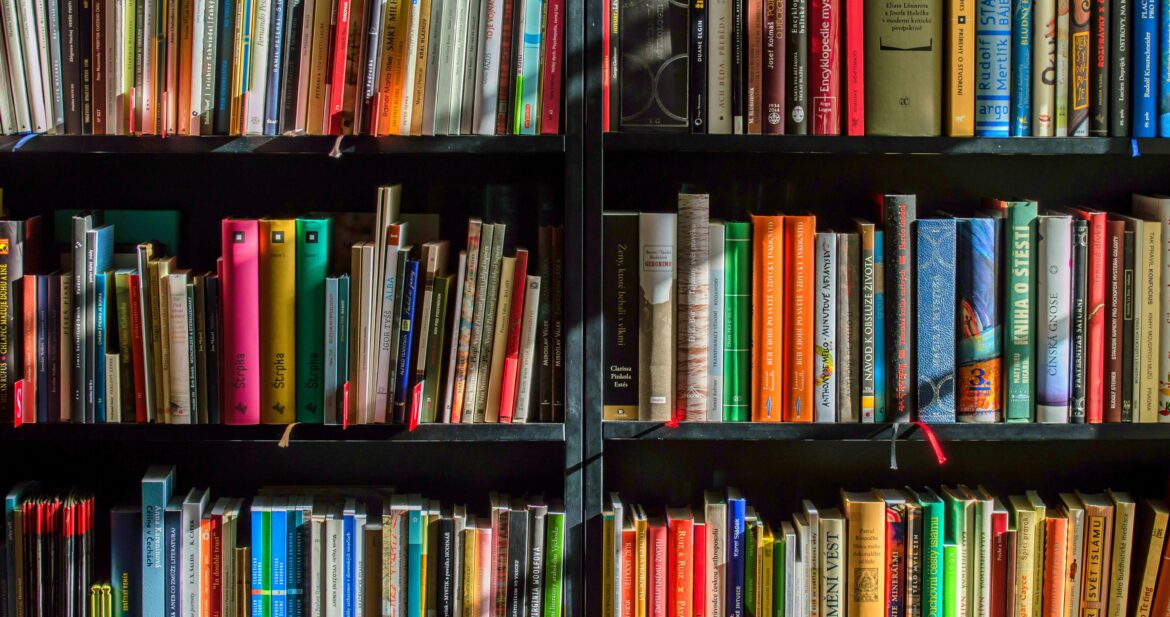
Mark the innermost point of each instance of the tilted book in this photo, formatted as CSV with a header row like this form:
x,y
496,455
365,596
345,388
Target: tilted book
x,y
936,241
694,305
656,332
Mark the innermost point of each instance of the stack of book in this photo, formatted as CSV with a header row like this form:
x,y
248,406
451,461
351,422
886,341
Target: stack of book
x,y
293,551
958,551
1012,314
281,67
410,334
1039,68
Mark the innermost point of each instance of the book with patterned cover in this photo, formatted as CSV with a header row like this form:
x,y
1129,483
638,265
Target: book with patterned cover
x,y
935,241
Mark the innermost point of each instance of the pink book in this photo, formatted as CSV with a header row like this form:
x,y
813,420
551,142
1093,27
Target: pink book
x,y
550,103
824,66
241,329
854,67
483,570
512,354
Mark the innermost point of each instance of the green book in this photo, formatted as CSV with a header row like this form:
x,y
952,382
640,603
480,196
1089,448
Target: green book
x,y
312,267
952,554
779,573
125,343
1020,338
934,528
266,563
436,344
737,330
554,548
749,566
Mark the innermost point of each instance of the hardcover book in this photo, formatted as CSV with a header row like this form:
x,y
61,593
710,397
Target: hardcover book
x,y
694,304
738,396
848,327
796,59
826,359
1020,319
960,98
716,243
241,341
620,315
656,331
1157,208
312,267
868,330
935,243
903,68
720,26
654,65
799,235
278,328
766,344
1145,68
1043,68
1080,320
1053,318
1021,72
825,84
1079,58
979,375
898,213
993,68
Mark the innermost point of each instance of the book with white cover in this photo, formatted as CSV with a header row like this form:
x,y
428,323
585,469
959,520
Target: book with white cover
x,y
527,350
487,87
694,305
258,68
1053,285
716,238
825,326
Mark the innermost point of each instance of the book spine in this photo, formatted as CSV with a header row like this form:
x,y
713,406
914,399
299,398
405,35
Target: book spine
x,y
11,271
768,318
212,323
1079,54
899,214
1095,340
825,88
1021,72
895,562
510,381
336,83
849,327
716,243
138,346
528,352
1019,319
1114,262
915,575
960,96
277,50
720,15
1099,85
1098,532
980,370
312,265
868,330
993,69
773,83
505,95
1043,68
798,318
694,305
827,361
278,328
620,354
1053,318
30,374
180,399
406,340
1146,52
739,63
528,75
1129,348
936,244
697,100
933,567
864,554
1121,579
553,68
796,61
854,42
656,335
1062,80
1117,54
737,336
736,511
1080,320
241,342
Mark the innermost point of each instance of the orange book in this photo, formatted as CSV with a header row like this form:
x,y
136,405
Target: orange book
x,y
205,579
798,317
182,90
767,317
629,542
1161,606
29,373
1055,553
681,562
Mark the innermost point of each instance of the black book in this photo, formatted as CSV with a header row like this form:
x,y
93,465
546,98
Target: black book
x,y
1099,86
738,67
224,60
796,59
294,20
898,215
615,64
82,223
697,57
654,65
1080,317
619,310
556,296
69,22
85,54
1127,305
544,326
447,572
11,309
42,352
53,343
517,575
1120,23
211,323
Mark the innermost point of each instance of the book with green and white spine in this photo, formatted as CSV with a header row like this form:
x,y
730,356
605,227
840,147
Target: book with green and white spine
x,y
737,331
528,68
554,562
125,383
953,566
312,266
934,527
1020,320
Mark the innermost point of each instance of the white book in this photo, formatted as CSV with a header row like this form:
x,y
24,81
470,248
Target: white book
x,y
717,552
357,586
1157,208
387,337
1076,546
720,18
202,62
54,26
331,359
453,344
825,320
801,582
499,334
693,324
258,68
191,552
411,67
7,111
1043,52
366,292
527,350
113,390
445,28
487,82
27,27
1054,318
812,557
716,238
316,544
45,57
180,346
12,74
791,566
333,550
454,100
981,556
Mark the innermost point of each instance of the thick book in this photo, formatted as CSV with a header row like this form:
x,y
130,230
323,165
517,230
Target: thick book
x,y
126,560
312,265
936,248
157,484
717,281
1020,339
656,331
738,395
766,345
653,79
773,82
11,272
694,304
241,341
1147,310
1157,209
620,316
1116,54
278,273
898,213
1148,543
864,552
1043,68
1099,514
959,120
853,51
1053,318
848,327
1095,335
796,63
993,32
826,360
903,68
824,86
798,297
1113,307
1145,80
979,374
1100,89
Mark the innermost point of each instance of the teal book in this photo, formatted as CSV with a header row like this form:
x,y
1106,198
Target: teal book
x,y
313,241
157,484
414,548
278,541
528,77
103,289
737,329
131,228
934,527
879,327
951,555
1020,317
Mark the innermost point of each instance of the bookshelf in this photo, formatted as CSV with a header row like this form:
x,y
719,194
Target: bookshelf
x,y
305,145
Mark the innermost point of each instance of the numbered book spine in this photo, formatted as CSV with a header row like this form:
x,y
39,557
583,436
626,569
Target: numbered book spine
x,y
848,327
738,297
1053,318
1146,35
1021,73
980,370
716,242
620,316
241,340
935,241
1020,320
1079,54
312,266
898,214
993,70
657,310
825,361
694,304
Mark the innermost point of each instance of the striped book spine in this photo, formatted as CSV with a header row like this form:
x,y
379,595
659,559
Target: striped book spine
x,y
993,68
737,337
694,305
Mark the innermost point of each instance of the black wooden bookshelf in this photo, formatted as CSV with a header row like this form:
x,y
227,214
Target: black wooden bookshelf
x,y
307,145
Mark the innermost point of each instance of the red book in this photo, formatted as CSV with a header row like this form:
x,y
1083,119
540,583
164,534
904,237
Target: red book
x,y
824,66
136,357
680,558
512,354
699,603
774,64
337,69
1055,553
216,524
895,561
656,538
854,67
554,69
241,338
1114,315
999,561
504,100
29,345
1095,339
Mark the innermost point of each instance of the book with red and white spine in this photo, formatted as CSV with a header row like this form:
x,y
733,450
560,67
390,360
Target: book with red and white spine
x,y
241,299
824,84
553,68
999,559
680,562
511,377
854,35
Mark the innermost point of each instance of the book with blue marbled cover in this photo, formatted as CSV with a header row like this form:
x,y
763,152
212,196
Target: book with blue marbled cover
x,y
935,241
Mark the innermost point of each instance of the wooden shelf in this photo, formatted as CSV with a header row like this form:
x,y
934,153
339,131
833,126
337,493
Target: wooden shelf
x,y
426,433
319,145
751,431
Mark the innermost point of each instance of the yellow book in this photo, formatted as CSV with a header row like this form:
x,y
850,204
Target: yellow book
x,y
960,101
278,310
1025,583
156,344
865,514
500,340
470,571
395,43
1039,545
1149,302
1124,511
162,289
238,77
1150,540
420,73
318,68
765,553
641,563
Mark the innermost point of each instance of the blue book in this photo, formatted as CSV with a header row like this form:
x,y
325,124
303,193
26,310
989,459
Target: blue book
x,y
528,79
173,553
879,328
979,378
296,547
1021,71
349,557
414,531
11,501
342,340
1164,68
934,245
276,45
44,378
224,56
156,493
406,341
126,560
257,556
736,515
993,84
278,536
103,286
99,258
1145,68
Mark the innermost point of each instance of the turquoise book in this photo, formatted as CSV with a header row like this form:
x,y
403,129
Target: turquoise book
x,y
296,558
934,247
313,241
1021,68
414,590
934,527
528,77
342,344
157,485
879,327
993,84
257,556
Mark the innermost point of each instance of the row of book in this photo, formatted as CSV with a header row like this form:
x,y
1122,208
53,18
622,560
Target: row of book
x,y
412,333
281,67
999,68
292,551
1015,314
960,551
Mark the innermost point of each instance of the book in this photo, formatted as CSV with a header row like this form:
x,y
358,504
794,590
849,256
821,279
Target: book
x,y
768,314
656,333
979,375
960,92
694,304
848,327
312,266
1053,318
865,548
1080,320
1146,52
1157,209
1044,68
737,404
653,103
720,52
895,57
825,358
936,241
797,370
898,213
796,61
1148,543
993,32
1060,128
1020,322
716,318
620,396
824,21
1079,59
869,332
157,484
